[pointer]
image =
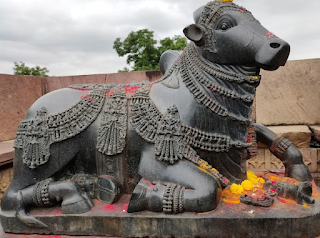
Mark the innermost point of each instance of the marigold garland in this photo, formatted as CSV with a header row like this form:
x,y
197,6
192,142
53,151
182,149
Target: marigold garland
x,y
225,0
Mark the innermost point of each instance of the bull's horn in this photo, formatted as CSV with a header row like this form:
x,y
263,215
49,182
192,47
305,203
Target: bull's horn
x,y
197,14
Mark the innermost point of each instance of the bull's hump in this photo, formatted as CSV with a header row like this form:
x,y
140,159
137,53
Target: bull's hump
x,y
57,101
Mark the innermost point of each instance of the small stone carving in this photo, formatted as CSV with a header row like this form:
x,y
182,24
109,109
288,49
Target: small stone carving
x,y
113,128
168,137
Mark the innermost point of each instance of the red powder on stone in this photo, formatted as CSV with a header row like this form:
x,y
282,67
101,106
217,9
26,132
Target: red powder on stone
x,y
110,93
132,89
282,200
109,208
56,213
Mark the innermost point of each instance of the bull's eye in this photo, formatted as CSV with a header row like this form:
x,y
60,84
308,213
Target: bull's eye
x,y
224,26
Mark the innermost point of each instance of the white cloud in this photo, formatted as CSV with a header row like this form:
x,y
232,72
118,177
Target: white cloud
x,y
76,36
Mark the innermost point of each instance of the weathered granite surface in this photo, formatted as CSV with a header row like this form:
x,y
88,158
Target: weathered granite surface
x,y
17,93
290,95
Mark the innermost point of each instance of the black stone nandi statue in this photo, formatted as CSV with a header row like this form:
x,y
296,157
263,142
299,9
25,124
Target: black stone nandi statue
x,y
175,144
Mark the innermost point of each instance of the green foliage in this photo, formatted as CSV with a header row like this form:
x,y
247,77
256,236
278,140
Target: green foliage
x,y
20,68
142,50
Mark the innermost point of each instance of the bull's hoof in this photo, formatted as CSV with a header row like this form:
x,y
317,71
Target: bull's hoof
x,y
109,189
75,201
139,201
77,205
299,172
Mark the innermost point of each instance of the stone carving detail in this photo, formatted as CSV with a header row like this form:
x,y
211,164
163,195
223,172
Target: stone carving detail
x,y
190,64
144,116
191,155
33,138
264,160
289,188
168,136
212,11
113,128
252,138
173,199
145,119
41,193
279,147
36,136
263,201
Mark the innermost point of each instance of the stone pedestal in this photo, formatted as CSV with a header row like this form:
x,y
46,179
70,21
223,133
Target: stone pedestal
x,y
284,218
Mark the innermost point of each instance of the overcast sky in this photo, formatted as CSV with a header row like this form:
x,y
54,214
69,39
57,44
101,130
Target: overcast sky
x,y
75,37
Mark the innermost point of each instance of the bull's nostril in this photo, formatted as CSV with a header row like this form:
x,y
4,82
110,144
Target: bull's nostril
x,y
275,45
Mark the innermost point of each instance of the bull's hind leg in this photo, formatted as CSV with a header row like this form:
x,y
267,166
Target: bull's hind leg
x,y
176,188
46,193
284,150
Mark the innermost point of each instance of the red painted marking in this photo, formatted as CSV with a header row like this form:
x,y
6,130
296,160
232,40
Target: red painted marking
x,y
56,213
273,182
269,34
242,9
109,208
273,190
281,200
110,93
132,89
249,139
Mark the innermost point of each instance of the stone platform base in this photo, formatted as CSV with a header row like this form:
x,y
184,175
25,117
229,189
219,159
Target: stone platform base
x,y
283,219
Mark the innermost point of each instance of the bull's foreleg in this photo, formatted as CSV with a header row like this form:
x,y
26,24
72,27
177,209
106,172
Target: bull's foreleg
x,y
46,193
284,150
180,187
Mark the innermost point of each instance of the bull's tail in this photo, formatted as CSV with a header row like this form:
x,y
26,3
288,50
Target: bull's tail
x,y
24,217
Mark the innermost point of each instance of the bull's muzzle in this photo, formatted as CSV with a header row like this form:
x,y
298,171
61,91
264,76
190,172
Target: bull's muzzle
x,y
273,54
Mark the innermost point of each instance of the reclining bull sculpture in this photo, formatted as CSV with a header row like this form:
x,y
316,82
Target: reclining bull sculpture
x,y
189,133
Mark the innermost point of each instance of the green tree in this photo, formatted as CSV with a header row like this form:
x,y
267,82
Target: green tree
x,y
143,51
20,68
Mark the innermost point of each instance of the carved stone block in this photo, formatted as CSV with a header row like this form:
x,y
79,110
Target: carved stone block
x,y
299,135
288,95
316,132
310,158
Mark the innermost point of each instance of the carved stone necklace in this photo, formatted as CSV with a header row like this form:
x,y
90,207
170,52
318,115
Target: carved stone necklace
x,y
194,68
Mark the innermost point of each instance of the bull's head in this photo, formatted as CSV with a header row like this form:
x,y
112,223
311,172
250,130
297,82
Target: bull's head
x,y
226,33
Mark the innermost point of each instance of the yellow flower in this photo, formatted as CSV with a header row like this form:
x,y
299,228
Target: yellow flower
x,y
247,185
251,175
236,188
225,0
261,180
254,179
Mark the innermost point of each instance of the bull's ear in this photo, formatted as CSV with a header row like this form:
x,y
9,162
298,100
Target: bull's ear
x,y
195,32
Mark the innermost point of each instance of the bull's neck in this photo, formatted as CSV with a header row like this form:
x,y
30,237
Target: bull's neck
x,y
210,83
